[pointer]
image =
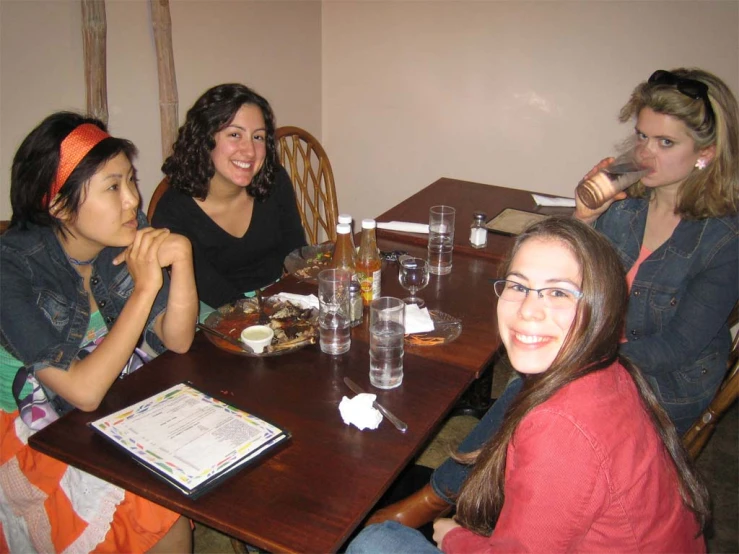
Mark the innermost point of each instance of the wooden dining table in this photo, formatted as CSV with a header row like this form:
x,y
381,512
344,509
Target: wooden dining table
x,y
313,493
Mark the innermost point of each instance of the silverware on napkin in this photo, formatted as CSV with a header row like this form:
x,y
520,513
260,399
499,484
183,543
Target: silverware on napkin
x,y
399,425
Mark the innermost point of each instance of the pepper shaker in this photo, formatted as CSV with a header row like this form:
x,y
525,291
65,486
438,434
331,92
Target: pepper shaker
x,y
356,310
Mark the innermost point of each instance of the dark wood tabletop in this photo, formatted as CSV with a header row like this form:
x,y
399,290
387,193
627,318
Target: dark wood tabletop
x,y
467,198
313,493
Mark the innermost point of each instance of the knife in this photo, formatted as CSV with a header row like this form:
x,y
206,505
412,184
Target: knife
x,y
399,425
228,339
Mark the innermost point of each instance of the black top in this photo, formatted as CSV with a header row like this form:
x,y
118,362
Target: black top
x,y
227,266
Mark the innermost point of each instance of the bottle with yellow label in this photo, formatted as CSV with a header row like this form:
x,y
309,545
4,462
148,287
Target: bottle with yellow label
x,y
369,265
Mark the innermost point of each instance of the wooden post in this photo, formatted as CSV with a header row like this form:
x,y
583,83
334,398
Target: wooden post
x,y
168,100
93,47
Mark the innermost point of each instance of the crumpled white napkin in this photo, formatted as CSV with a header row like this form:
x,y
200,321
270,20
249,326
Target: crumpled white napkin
x,y
417,320
359,411
551,201
302,300
406,226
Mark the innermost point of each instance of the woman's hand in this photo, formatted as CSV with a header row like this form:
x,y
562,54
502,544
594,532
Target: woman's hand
x,y
142,258
175,249
441,527
585,214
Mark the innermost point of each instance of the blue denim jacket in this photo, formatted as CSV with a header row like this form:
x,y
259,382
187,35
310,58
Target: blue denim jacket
x,y
682,295
44,308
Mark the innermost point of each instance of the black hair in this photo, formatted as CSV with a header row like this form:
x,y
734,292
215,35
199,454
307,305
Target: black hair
x,y
35,166
190,167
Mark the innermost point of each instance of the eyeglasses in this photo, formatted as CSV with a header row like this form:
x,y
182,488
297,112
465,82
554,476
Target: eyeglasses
x,y
689,87
556,298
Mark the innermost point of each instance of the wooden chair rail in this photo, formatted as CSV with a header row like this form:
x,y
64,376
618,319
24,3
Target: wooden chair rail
x,y
313,181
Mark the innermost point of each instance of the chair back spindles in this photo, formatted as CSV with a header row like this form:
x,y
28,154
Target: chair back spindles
x,y
313,181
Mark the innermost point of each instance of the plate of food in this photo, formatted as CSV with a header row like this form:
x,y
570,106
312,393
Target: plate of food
x,y
295,327
446,329
307,262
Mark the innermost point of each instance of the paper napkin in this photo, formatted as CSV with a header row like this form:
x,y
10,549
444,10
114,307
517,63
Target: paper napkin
x,y
405,226
417,320
552,201
359,411
302,300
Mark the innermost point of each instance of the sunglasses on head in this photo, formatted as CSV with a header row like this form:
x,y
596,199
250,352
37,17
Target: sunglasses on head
x,y
689,87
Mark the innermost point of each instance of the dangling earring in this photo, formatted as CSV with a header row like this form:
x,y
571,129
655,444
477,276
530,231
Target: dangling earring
x,y
701,163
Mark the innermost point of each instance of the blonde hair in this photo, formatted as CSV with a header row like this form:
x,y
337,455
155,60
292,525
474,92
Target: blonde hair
x,y
713,191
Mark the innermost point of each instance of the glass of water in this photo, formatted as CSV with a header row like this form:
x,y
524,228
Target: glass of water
x,y
387,328
413,275
333,311
441,239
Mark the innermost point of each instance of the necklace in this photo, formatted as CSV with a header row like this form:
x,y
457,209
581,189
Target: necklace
x,y
75,261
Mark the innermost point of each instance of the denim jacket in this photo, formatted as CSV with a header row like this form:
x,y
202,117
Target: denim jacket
x,y
44,308
682,295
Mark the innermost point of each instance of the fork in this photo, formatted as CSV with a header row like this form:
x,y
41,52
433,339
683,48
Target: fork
x,y
263,318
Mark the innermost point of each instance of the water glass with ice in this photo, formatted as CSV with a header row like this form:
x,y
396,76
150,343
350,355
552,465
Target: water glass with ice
x,y
333,311
387,328
441,239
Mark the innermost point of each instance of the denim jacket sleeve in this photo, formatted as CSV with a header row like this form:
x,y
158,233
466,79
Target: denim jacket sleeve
x,y
36,321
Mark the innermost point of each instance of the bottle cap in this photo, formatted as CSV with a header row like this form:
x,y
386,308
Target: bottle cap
x,y
354,287
479,215
368,224
343,229
345,218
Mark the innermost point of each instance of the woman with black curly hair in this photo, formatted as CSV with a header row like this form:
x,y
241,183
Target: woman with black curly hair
x,y
229,195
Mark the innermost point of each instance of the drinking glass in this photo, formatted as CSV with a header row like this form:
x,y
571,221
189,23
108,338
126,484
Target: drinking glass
x,y
387,329
333,311
441,239
413,276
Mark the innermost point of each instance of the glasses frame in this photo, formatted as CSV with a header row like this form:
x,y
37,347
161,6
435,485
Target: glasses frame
x,y
497,284
691,88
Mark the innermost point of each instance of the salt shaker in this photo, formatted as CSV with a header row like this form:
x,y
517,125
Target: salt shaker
x,y
478,232
355,304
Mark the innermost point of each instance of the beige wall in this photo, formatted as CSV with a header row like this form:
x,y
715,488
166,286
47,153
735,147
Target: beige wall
x,y
520,94
274,47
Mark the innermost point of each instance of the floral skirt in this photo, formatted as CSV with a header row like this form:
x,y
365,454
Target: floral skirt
x,y
49,506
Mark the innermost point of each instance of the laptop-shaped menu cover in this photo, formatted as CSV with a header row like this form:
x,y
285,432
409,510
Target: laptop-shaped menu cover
x,y
188,438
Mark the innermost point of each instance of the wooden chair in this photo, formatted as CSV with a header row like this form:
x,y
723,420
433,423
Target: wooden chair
x,y
313,180
4,226
158,192
697,436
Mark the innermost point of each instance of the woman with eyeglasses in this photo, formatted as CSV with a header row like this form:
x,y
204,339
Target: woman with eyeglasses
x,y
585,459
676,234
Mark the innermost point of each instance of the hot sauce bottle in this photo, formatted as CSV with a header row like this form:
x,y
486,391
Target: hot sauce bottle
x,y
369,264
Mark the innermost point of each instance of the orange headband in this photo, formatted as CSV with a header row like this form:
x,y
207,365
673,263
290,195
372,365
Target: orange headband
x,y
74,148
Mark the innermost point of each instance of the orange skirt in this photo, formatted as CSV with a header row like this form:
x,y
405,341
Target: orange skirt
x,y
49,506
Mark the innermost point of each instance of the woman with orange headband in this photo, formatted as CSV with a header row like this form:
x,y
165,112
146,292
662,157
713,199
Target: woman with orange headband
x,y
83,280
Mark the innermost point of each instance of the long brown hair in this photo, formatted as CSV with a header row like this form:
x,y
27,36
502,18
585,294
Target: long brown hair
x,y
591,345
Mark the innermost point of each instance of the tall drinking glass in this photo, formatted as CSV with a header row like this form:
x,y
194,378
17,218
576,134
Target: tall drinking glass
x,y
441,239
333,311
387,328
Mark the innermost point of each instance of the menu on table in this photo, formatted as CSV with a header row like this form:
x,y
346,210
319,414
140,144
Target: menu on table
x,y
190,439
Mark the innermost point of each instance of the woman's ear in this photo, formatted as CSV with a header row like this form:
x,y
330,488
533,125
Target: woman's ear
x,y
59,212
707,154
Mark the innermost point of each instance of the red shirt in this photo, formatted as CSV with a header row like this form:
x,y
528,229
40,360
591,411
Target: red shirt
x,y
587,472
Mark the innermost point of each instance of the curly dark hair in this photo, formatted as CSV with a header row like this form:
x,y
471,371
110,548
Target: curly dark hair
x,y
190,167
